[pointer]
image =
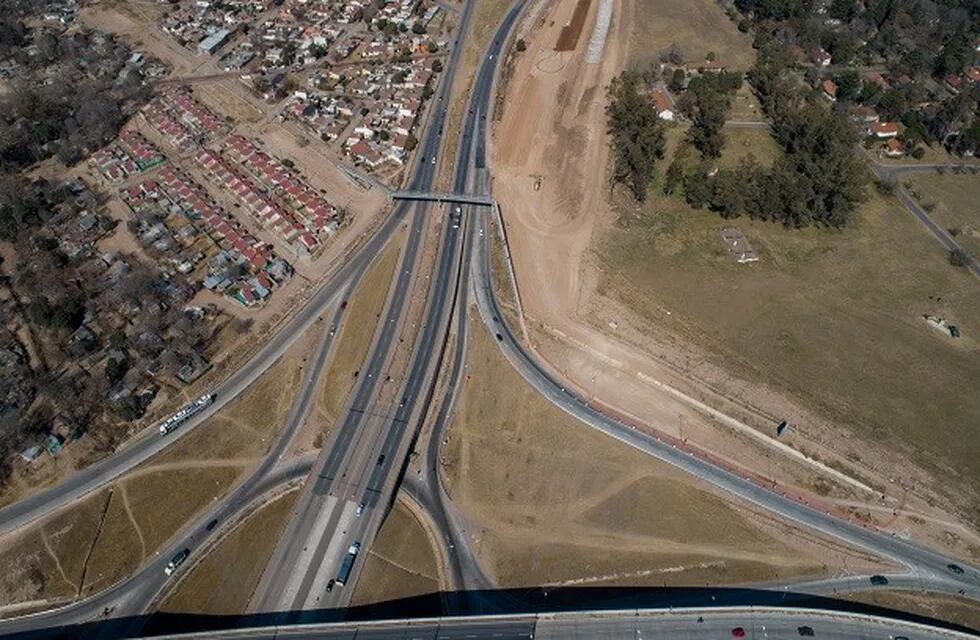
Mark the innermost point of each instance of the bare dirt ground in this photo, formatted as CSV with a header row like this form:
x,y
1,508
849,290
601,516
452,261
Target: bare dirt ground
x,y
550,167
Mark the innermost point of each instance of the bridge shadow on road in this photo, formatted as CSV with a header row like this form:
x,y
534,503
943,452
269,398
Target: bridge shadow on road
x,y
503,601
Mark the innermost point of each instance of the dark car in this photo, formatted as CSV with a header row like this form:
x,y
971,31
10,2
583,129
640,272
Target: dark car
x,y
330,585
381,459
212,524
955,568
805,631
738,632
879,580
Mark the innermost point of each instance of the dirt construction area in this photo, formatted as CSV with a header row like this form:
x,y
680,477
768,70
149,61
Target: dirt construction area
x,y
601,322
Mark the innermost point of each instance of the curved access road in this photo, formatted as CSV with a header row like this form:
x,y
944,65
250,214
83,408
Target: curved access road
x,y
930,567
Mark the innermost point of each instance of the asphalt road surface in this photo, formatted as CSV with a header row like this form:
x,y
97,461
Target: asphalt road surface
x,y
681,624
346,500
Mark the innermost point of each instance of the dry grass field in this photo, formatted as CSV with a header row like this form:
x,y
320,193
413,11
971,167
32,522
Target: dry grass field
x,y
741,143
223,582
697,28
151,503
401,562
551,501
46,562
955,203
831,317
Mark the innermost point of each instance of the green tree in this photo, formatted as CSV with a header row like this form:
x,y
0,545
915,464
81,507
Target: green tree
x,y
636,134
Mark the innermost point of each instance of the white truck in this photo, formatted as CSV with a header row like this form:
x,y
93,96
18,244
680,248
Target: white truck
x,y
186,412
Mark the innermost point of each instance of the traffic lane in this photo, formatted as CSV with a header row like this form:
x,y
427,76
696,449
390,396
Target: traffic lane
x,y
750,624
305,530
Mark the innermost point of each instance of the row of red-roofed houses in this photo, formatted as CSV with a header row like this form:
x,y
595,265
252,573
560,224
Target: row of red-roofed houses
x,y
174,132
192,113
311,208
266,269
129,155
263,208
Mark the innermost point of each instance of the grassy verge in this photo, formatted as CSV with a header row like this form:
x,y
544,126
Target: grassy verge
x,y
401,562
357,332
946,608
953,201
553,501
223,582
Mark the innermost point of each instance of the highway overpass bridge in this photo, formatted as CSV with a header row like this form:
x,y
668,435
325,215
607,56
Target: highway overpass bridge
x,y
632,624
443,197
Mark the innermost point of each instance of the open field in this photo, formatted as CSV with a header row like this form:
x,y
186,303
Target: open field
x,y
741,143
956,204
356,333
550,501
825,331
948,608
223,582
46,563
698,27
831,317
401,562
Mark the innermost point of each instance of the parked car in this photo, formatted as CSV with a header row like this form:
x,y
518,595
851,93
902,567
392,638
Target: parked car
x,y
805,631
955,568
738,632
879,580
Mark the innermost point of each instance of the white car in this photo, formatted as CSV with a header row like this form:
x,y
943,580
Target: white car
x,y
360,509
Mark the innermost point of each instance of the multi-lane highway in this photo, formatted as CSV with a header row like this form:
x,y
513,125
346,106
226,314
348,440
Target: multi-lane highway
x,y
135,594
347,497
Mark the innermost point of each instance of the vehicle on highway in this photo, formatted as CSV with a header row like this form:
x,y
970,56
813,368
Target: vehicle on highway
x,y
879,580
345,568
381,459
360,509
805,631
176,561
738,632
330,585
212,524
343,304
186,412
955,568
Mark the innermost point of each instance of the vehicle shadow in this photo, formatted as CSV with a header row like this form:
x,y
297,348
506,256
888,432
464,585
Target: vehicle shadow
x,y
503,601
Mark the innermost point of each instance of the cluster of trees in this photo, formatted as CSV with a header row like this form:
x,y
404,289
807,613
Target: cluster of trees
x,y
918,43
67,98
637,134
817,180
706,103
72,329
